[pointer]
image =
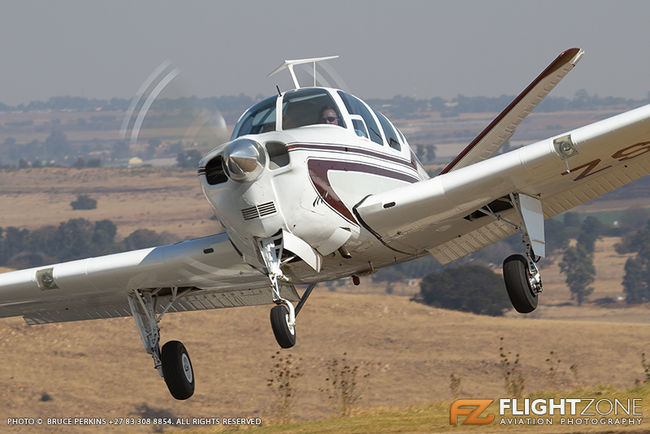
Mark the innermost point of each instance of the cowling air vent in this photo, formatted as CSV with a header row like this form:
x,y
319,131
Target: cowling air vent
x,y
257,211
214,173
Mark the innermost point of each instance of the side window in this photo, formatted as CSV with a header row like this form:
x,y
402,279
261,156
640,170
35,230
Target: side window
x,y
359,126
357,107
401,136
389,132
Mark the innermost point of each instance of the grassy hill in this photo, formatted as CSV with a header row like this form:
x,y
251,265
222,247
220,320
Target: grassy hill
x,y
434,417
100,369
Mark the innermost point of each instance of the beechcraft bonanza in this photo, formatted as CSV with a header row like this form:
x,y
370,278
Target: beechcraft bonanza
x,y
316,185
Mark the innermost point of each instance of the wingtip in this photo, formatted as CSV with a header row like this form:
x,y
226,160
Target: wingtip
x,y
578,56
575,54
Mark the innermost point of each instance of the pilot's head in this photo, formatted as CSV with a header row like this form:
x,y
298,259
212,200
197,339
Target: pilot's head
x,y
328,116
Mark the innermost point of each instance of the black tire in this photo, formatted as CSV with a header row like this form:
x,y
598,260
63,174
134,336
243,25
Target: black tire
x,y
285,336
177,370
516,276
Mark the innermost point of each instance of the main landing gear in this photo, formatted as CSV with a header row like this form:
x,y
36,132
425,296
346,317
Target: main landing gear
x,y
283,315
520,273
173,361
523,282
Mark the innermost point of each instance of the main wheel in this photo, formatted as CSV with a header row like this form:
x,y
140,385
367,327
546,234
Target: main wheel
x,y
517,278
177,370
284,333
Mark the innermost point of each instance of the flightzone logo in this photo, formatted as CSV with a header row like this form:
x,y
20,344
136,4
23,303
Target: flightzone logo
x,y
472,409
551,411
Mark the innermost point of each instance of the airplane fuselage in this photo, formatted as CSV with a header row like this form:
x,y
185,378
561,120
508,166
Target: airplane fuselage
x,y
309,181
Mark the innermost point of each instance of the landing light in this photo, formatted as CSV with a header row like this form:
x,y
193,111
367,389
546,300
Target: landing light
x,y
244,160
565,147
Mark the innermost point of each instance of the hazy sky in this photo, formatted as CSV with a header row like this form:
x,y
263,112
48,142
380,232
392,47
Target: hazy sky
x,y
416,48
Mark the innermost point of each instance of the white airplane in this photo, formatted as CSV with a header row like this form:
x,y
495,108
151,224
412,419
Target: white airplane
x,y
317,185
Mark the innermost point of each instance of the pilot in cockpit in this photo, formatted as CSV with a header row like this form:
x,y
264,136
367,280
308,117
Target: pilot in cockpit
x,y
328,116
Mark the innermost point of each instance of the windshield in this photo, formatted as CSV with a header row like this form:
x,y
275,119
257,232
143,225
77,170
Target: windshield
x,y
309,106
258,119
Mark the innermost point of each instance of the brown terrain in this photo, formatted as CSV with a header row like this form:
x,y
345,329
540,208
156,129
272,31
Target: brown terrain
x,y
99,368
159,199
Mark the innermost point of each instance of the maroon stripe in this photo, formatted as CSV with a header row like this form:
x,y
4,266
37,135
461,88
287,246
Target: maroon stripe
x,y
318,170
559,62
348,149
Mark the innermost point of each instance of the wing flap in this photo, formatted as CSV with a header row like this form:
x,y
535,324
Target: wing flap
x,y
470,242
198,300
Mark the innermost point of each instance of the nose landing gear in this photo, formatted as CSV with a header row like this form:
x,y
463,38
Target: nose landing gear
x,y
283,315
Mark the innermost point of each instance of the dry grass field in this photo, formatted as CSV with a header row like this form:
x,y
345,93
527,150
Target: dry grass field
x,y
100,369
159,199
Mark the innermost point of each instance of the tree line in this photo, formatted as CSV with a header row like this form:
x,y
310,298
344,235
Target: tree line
x,y
636,282
73,239
473,286
402,106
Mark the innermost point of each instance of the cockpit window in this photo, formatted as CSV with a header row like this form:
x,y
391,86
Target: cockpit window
x,y
389,132
356,107
258,119
309,106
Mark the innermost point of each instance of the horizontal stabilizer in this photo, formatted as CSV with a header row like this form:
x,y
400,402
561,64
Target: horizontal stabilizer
x,y
492,138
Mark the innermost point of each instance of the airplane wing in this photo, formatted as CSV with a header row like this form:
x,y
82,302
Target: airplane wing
x,y
207,272
442,215
492,138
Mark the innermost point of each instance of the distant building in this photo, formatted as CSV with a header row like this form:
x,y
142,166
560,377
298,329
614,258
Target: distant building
x,y
135,162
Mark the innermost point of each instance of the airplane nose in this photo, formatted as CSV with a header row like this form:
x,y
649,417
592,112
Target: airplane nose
x,y
244,160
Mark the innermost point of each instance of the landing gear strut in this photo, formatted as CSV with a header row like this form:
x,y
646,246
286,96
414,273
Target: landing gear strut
x,y
520,273
283,315
173,361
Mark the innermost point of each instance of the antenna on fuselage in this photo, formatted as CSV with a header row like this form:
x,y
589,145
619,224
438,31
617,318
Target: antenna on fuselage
x,y
289,64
